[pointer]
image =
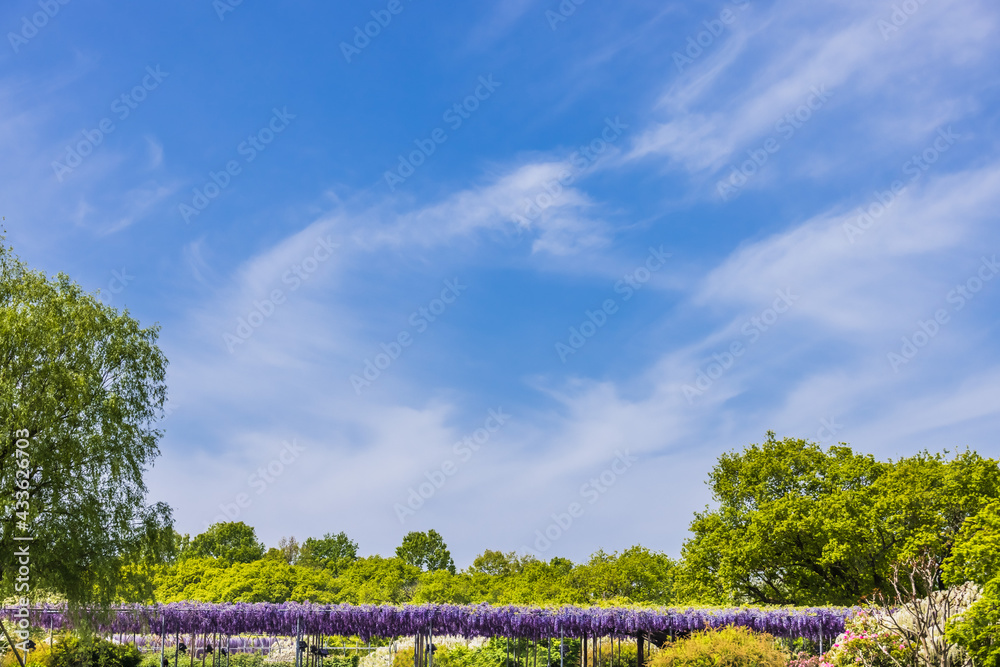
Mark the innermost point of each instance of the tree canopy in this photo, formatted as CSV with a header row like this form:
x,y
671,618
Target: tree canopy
x,y
426,551
796,524
231,542
636,575
333,552
81,389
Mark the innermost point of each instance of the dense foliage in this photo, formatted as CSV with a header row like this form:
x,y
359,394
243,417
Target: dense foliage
x,y
730,646
799,525
330,571
81,388
331,552
976,558
426,551
70,650
230,542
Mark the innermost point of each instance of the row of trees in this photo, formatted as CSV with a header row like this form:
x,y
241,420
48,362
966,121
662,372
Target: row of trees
x,y
229,563
236,542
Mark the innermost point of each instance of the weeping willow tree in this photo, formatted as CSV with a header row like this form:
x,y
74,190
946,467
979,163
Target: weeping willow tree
x,y
81,391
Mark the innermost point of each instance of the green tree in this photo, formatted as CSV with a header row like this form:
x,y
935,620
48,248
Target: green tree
x,y
181,545
376,580
442,586
190,578
290,549
976,554
263,580
426,551
637,575
231,541
81,390
976,558
332,552
497,563
799,525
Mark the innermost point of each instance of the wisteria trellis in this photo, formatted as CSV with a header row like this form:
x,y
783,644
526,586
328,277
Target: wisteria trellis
x,y
367,621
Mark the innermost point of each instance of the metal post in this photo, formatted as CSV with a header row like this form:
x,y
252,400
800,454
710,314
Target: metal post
x,y
562,649
430,645
163,639
295,642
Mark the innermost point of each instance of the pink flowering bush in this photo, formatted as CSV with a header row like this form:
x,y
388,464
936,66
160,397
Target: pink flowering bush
x,y
805,660
866,642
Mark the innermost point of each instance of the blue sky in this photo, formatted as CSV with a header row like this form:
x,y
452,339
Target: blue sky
x,y
515,268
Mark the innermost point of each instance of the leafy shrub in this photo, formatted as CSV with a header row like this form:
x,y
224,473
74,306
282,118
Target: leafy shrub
x,y
345,660
246,660
72,651
978,629
499,652
865,641
41,656
730,646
